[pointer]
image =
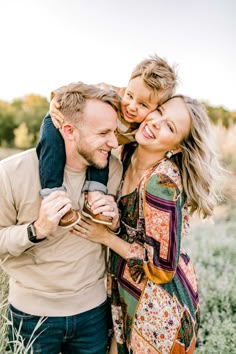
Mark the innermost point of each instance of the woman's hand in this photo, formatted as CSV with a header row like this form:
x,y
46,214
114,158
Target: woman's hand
x,y
99,233
89,230
55,113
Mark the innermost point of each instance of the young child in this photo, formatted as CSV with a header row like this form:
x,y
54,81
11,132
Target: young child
x,y
151,83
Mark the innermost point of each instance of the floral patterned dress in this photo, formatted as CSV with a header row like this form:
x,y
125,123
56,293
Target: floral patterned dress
x,y
155,307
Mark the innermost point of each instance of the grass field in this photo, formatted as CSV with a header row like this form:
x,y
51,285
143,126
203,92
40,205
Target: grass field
x,y
212,246
213,249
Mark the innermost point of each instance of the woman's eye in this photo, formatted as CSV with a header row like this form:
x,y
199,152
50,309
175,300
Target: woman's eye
x,y
159,111
171,128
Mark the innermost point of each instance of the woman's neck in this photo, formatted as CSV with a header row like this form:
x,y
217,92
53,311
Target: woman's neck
x,y
143,160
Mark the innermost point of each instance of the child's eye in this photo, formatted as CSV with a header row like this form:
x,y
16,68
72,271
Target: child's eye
x,y
144,105
171,128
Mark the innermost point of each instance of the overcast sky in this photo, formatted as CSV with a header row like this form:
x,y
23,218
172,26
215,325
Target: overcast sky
x,y
48,43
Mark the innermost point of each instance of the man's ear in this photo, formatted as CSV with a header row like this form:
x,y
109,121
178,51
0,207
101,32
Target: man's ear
x,y
68,131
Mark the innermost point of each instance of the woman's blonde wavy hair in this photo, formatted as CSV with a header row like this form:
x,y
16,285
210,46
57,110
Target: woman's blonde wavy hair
x,y
198,161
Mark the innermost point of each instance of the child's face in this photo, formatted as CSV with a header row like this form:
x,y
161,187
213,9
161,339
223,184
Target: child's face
x,y
138,101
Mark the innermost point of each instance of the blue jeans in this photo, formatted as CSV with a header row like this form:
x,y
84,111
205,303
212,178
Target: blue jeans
x,y
85,333
52,158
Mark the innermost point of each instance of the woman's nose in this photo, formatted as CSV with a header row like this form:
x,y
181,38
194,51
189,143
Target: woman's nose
x,y
155,123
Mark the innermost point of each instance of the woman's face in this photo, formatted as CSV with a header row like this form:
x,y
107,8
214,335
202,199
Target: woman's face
x,y
165,128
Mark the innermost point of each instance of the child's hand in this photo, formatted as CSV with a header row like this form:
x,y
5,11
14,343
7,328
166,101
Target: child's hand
x,y
56,115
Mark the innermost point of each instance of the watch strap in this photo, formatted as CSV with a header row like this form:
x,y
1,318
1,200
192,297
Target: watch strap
x,y
32,236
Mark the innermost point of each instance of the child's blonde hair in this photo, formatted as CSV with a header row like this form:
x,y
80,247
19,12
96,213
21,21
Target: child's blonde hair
x,y
158,75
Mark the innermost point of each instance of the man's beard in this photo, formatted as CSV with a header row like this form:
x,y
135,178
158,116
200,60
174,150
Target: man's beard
x,y
89,158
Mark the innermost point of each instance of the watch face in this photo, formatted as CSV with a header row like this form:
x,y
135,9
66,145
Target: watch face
x,y
32,234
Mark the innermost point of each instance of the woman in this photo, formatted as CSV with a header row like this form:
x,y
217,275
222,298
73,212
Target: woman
x,y
167,177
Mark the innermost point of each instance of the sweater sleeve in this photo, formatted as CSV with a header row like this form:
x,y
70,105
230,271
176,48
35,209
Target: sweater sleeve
x,y
158,256
13,238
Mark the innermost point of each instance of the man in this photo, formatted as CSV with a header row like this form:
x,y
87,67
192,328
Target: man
x,y
56,277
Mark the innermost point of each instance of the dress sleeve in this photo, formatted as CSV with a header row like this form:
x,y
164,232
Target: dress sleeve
x,y
158,256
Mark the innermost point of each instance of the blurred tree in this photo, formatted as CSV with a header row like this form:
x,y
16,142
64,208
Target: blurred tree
x,y
219,114
31,109
22,138
7,124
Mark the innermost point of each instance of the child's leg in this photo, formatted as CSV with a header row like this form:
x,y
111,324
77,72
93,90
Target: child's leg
x,y
96,180
51,155
52,158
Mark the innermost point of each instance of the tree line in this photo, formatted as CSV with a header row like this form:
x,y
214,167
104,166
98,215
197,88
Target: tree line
x,y
21,119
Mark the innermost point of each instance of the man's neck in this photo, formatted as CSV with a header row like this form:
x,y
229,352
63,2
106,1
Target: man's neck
x,y
76,162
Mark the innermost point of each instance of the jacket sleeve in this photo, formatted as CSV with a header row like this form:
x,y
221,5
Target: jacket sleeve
x,y
158,256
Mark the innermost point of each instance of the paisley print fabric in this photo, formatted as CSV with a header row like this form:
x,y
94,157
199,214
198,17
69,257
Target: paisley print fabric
x,y
155,304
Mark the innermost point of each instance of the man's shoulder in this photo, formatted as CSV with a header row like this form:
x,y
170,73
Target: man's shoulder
x,y
115,174
115,161
22,158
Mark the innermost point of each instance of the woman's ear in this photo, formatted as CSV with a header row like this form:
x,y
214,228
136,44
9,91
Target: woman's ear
x,y
177,150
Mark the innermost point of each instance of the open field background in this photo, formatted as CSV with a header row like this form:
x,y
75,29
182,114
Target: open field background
x,y
212,246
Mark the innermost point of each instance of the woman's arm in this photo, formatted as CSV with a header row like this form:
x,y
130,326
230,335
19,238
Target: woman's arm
x,y
162,213
159,254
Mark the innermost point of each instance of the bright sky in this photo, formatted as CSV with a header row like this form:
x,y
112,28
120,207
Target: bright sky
x,y
48,43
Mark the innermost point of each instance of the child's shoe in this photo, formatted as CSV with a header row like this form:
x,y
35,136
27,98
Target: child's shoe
x,y
98,218
71,218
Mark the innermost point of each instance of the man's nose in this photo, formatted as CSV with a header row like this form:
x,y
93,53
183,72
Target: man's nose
x,y
112,141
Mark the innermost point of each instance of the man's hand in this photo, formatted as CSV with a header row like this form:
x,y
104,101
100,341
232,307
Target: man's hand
x,y
52,209
105,204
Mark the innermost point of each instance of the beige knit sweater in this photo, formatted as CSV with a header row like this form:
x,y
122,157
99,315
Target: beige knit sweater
x,y
62,275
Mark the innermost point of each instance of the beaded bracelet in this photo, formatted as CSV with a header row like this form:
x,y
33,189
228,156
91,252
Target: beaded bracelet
x,y
114,232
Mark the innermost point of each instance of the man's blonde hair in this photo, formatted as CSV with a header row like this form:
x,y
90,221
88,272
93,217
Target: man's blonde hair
x,y
72,99
158,76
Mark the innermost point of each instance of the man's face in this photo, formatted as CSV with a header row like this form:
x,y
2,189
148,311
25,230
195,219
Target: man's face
x,y
96,133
